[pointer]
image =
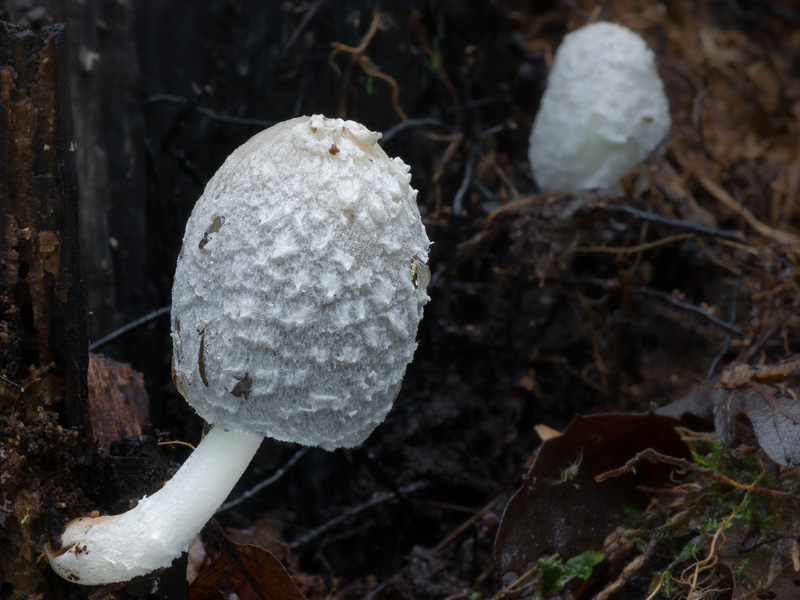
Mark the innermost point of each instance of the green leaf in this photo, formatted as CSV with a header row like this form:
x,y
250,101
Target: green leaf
x,y
554,574
714,460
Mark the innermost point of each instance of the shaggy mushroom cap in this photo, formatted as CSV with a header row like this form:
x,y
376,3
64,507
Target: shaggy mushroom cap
x,y
603,113
300,286
296,302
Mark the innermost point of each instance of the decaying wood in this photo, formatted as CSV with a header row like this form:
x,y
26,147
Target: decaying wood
x,y
43,345
118,402
43,342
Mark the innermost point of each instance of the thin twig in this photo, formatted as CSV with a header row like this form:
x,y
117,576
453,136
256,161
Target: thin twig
x,y
606,284
129,327
679,224
697,106
466,524
267,482
477,103
209,113
768,539
514,204
412,123
771,330
611,284
629,571
520,583
671,299
306,18
718,192
652,456
176,443
731,322
458,201
9,382
338,520
632,249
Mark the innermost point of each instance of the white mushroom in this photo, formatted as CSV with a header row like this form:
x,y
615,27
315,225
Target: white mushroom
x,y
296,301
603,113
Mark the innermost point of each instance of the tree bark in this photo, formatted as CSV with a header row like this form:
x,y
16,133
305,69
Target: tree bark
x,y
43,316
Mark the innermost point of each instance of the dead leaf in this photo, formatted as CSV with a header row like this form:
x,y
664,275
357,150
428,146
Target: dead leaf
x,y
249,572
762,566
266,533
196,559
696,403
561,508
753,392
545,432
774,415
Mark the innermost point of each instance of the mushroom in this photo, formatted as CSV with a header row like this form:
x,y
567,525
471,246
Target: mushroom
x,y
603,113
297,296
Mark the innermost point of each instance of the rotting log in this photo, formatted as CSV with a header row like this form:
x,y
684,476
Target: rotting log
x,y
118,402
43,344
43,317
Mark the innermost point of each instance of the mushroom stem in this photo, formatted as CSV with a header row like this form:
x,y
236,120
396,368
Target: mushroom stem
x,y
150,536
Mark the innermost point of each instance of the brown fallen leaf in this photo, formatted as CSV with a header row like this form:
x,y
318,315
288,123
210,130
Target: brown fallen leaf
x,y
249,572
545,432
561,508
764,395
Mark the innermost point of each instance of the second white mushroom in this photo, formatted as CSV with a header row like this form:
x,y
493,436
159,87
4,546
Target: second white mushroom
x,y
604,111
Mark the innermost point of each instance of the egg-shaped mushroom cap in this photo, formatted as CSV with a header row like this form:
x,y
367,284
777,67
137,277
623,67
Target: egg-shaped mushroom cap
x,y
300,286
603,113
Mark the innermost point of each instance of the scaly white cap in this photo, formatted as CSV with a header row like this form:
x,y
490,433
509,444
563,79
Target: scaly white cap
x,y
300,286
296,302
603,113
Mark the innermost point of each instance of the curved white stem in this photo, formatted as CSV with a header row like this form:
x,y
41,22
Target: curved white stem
x,y
120,547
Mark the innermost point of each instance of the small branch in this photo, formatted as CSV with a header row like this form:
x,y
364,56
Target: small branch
x,y
683,465
671,299
352,512
612,284
129,327
632,249
469,522
458,201
697,106
12,383
629,571
775,536
306,18
731,322
679,224
771,330
413,123
266,483
207,112
724,198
